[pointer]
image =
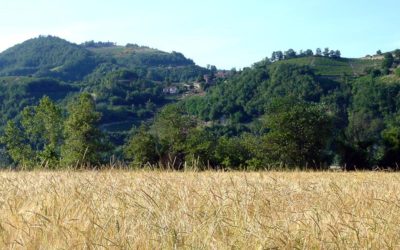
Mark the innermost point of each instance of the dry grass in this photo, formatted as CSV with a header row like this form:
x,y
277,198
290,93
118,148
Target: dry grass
x,y
154,210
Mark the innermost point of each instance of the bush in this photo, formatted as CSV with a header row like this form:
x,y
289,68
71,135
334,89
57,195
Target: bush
x,y
397,72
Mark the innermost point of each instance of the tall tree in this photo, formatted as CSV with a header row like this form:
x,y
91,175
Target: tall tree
x,y
326,52
318,52
279,55
84,142
173,126
273,57
16,145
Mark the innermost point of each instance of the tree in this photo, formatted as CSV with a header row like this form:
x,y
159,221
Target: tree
x,y
299,132
326,52
279,55
173,126
230,153
84,142
318,52
38,137
142,148
397,54
379,52
309,52
199,148
273,57
391,139
14,140
387,61
290,54
43,127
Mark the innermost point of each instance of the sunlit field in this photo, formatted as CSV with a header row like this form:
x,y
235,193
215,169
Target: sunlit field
x,y
166,210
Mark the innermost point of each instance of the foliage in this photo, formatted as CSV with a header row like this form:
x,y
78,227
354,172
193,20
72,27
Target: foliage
x,y
84,142
388,61
290,54
299,133
16,93
38,139
47,56
142,148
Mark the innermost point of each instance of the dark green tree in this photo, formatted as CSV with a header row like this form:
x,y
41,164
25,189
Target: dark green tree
x,y
326,52
199,149
84,142
290,54
17,147
299,132
142,148
309,52
173,126
397,54
387,61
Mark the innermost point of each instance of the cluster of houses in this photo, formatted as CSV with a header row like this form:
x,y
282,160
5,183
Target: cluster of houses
x,y
170,90
208,79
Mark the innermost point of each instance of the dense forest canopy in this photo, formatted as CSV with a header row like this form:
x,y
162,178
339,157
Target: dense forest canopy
x,y
306,109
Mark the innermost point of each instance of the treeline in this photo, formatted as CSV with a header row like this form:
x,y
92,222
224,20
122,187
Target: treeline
x,y
47,137
265,117
290,53
364,111
293,135
93,44
355,126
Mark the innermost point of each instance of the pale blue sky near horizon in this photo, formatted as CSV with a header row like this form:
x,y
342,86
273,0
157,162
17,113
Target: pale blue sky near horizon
x,y
222,33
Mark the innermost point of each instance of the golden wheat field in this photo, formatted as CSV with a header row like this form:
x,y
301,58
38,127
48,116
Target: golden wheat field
x,y
209,210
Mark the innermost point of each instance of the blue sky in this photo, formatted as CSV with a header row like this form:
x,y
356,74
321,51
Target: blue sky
x,y
220,32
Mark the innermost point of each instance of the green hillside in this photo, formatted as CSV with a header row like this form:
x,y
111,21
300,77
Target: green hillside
x,y
19,92
334,67
127,81
140,55
308,109
47,57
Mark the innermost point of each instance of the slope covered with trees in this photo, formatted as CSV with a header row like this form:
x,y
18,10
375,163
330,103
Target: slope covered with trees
x,y
295,110
128,81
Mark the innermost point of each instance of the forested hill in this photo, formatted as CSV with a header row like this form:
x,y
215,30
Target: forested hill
x,y
48,56
270,104
130,82
296,109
